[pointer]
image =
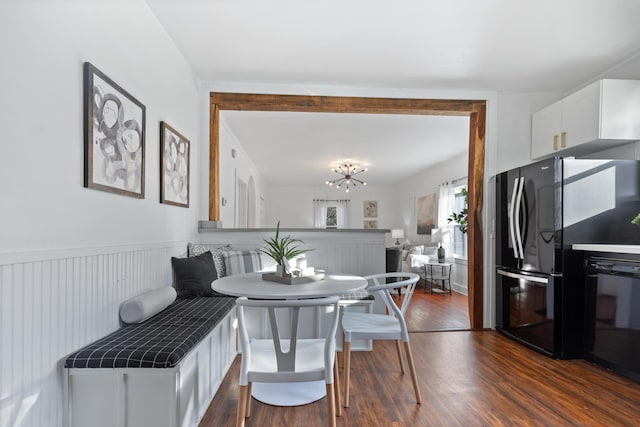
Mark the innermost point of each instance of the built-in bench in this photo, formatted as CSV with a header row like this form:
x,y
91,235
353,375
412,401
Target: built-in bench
x,y
166,370
161,372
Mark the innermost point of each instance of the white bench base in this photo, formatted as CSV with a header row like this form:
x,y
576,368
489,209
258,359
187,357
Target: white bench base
x,y
159,397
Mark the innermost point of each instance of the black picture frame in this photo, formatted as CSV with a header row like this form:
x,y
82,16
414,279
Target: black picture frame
x,y
114,136
175,167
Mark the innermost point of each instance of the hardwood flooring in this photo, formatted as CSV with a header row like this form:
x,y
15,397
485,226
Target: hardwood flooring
x,y
467,378
434,312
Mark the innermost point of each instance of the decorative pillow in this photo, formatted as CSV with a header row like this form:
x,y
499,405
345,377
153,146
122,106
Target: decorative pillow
x,y
146,305
240,262
195,250
193,276
432,251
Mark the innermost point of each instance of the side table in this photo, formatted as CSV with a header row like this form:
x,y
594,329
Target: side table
x,y
438,275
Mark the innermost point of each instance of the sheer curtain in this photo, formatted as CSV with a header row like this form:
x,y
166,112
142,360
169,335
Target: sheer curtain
x,y
446,206
319,213
343,213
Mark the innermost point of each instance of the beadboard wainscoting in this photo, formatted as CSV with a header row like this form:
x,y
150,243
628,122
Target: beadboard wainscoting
x,y
54,302
459,281
359,252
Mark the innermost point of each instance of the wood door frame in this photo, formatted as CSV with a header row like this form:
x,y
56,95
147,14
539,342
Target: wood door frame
x,y
475,109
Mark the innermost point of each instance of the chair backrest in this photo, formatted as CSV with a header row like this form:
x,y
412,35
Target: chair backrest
x,y
286,358
401,280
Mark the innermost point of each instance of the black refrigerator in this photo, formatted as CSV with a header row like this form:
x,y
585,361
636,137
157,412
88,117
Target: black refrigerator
x,y
541,210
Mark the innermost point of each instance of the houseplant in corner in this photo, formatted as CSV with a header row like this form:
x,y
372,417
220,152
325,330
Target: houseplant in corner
x,y
460,218
282,248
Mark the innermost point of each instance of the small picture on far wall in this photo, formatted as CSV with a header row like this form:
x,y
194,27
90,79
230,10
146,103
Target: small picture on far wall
x,y
370,224
370,209
426,215
174,168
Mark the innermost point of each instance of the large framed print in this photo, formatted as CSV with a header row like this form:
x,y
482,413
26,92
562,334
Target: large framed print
x,y
174,167
426,215
114,136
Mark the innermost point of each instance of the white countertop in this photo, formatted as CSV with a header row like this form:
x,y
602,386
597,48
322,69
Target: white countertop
x,y
623,249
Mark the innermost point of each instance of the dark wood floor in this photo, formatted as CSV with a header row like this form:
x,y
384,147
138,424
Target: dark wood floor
x,y
467,378
434,312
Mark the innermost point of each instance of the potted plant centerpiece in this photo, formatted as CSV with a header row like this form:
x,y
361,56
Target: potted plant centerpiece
x,y
282,249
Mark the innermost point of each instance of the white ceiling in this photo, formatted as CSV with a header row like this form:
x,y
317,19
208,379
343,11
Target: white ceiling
x,y
299,149
497,45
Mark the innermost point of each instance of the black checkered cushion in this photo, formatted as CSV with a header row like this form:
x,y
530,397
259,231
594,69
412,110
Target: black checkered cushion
x,y
160,342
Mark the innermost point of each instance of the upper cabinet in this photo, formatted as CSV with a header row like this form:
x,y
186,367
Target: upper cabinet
x,y
596,117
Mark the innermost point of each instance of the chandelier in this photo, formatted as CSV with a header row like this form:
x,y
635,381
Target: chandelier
x,y
347,171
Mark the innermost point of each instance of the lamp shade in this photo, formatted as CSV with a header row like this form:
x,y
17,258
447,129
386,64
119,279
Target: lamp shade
x,y
437,235
397,233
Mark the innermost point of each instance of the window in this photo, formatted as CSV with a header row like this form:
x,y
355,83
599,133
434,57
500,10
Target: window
x,y
332,217
459,238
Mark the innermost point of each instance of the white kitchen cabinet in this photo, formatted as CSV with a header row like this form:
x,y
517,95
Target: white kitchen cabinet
x,y
598,116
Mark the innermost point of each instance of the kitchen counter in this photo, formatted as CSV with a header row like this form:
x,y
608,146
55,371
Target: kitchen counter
x,y
621,249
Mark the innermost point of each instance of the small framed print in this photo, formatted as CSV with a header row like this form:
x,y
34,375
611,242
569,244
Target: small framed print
x,y
370,208
370,224
114,135
174,167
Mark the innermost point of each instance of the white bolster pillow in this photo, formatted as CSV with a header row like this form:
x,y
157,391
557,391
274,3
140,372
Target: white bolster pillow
x,y
143,306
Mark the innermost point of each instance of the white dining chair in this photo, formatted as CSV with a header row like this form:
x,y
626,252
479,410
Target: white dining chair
x,y
278,360
390,326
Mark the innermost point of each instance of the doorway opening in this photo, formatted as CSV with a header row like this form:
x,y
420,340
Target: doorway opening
x,y
475,109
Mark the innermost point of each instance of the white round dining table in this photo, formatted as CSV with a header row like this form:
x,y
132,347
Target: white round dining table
x,y
252,285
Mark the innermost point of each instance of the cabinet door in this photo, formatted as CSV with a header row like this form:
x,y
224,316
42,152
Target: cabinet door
x,y
581,117
545,127
620,110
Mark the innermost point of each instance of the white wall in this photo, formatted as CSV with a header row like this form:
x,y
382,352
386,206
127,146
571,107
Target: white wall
x,y
293,206
514,126
70,255
422,184
232,169
44,45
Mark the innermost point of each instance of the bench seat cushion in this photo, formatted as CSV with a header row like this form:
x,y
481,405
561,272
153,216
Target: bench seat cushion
x,y
160,342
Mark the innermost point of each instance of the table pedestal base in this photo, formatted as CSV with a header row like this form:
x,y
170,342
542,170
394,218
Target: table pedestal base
x,y
288,394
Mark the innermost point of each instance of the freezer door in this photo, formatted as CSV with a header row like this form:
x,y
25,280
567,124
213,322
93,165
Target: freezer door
x,y
536,215
527,308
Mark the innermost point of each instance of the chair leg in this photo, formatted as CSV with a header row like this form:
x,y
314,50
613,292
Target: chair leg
x,y
336,387
347,369
331,406
400,356
412,369
247,411
242,405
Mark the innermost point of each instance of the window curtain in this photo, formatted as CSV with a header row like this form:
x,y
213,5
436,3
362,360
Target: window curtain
x,y
446,206
320,213
343,213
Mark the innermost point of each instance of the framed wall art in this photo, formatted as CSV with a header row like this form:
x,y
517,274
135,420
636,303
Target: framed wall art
x,y
370,224
114,136
175,167
370,208
426,215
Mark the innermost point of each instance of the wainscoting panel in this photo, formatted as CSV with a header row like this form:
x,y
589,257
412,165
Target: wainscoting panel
x,y
51,304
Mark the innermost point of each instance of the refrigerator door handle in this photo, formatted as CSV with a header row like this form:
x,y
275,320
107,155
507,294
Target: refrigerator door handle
x,y
535,279
517,218
512,207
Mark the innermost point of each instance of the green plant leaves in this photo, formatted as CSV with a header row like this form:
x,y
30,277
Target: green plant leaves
x,y
285,247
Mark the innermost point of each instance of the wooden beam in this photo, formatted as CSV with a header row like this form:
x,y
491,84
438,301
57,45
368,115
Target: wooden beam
x,y
474,230
338,104
214,163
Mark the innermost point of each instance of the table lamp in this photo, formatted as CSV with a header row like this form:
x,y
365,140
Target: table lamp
x,y
397,233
